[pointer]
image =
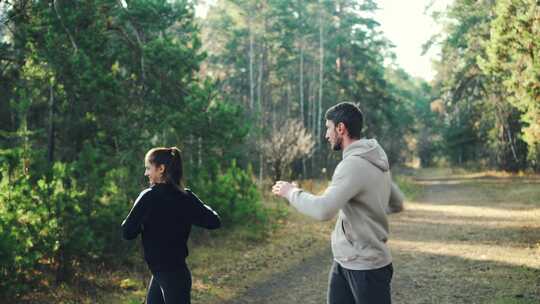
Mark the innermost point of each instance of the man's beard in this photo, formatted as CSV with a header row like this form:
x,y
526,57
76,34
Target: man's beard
x,y
338,145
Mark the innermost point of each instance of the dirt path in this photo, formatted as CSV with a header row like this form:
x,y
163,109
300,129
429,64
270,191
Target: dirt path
x,y
467,239
305,282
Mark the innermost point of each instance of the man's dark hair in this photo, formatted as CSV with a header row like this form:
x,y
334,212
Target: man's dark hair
x,y
350,115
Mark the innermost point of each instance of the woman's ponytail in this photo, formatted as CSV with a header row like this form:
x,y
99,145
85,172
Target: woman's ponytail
x,y
171,159
176,172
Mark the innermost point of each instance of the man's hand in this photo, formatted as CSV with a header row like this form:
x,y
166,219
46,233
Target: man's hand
x,y
283,188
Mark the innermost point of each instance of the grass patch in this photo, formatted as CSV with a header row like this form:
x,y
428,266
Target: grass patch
x,y
407,185
527,193
517,299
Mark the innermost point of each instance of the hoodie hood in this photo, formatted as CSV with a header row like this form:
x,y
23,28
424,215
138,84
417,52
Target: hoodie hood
x,y
370,150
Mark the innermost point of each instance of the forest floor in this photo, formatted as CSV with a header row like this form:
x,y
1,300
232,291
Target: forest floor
x,y
467,238
463,238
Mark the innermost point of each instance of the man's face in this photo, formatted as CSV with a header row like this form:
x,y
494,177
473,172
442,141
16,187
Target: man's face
x,y
333,136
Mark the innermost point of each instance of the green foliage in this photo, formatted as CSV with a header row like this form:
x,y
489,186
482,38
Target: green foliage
x,y
110,205
411,190
83,101
487,78
41,217
412,120
512,58
18,226
234,195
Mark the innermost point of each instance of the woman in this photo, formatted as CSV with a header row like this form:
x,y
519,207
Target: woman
x,y
164,214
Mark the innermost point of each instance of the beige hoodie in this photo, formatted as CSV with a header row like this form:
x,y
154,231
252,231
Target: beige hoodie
x,y
359,193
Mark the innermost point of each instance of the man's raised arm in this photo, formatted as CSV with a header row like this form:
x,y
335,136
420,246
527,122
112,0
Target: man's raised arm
x,y
325,206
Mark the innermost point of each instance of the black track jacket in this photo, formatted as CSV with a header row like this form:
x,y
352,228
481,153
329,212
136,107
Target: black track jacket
x,y
164,216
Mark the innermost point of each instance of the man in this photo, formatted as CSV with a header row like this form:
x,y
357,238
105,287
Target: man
x,y
359,194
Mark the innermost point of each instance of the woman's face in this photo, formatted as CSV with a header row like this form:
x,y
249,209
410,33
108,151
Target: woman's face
x,y
154,173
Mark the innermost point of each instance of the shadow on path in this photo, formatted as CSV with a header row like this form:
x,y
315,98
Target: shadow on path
x,y
303,283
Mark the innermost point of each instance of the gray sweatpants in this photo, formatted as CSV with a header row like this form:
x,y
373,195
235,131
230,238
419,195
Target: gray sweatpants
x,y
347,286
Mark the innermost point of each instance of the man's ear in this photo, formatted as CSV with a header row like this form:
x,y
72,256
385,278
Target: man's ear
x,y
341,129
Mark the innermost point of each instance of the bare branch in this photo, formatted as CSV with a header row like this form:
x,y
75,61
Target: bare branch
x,y
64,26
286,144
139,39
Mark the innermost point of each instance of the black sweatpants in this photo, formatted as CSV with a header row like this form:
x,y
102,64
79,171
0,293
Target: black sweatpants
x,y
172,287
347,286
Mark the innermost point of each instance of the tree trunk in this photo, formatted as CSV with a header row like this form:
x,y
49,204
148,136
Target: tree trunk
x,y
260,101
140,43
251,84
61,265
199,152
261,167
301,84
289,93
71,39
321,76
260,80
506,129
50,141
